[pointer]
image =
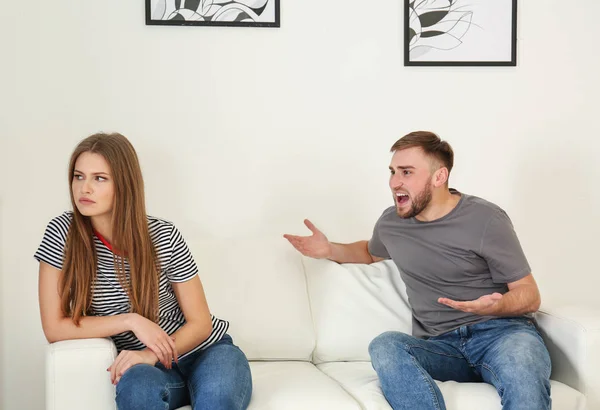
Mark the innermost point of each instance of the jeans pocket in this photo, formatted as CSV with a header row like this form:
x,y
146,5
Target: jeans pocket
x,y
523,320
530,322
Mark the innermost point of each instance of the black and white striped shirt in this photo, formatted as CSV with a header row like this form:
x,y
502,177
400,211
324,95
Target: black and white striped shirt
x,y
108,296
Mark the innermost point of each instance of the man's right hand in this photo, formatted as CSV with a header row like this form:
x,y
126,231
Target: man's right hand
x,y
315,246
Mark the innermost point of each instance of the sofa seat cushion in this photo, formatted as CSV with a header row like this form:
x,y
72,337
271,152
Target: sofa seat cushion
x,y
296,386
360,380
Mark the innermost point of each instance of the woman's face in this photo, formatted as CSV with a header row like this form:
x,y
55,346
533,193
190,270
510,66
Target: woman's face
x,y
92,185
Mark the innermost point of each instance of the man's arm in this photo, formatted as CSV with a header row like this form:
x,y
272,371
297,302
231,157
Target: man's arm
x,y
523,297
318,246
356,252
504,255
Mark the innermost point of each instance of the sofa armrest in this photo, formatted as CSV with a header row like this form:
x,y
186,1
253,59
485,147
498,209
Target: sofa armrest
x,y
76,376
572,335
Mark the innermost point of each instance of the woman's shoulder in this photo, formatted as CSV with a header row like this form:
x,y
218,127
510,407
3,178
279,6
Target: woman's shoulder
x,y
155,223
161,230
61,223
51,248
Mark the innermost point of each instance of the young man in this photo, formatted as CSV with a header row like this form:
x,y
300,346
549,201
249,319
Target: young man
x,y
469,284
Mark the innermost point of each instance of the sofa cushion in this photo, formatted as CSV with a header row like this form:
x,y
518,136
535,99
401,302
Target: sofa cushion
x,y
352,304
360,380
296,386
259,286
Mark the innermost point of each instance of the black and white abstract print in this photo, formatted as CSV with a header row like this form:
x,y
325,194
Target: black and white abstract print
x,y
460,32
205,12
438,24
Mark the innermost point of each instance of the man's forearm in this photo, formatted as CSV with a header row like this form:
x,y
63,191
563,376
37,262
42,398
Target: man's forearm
x,y
518,301
356,252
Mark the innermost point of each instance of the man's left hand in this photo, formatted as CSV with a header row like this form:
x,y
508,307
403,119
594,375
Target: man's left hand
x,y
482,306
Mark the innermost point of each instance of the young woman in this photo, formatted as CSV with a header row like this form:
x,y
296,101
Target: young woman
x,y
108,269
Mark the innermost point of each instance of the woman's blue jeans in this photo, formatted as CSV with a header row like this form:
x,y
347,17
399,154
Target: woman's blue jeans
x,y
217,378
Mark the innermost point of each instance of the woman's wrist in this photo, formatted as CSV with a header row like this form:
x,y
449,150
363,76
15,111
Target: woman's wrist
x,y
130,320
151,355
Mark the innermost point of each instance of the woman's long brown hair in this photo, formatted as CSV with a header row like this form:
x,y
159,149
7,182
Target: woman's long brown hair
x,y
130,235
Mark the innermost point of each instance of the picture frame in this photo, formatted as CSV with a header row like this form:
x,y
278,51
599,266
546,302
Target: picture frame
x,y
460,32
232,13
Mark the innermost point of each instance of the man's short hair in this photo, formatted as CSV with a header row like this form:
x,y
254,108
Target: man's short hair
x,y
431,144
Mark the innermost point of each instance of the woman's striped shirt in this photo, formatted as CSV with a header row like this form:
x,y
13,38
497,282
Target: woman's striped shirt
x,y
108,296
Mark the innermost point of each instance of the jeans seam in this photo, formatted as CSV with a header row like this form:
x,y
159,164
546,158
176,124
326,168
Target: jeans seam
x,y
165,397
434,352
241,405
489,369
427,379
192,394
175,385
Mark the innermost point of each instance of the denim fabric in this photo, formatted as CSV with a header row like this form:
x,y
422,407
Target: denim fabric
x,y
217,378
508,353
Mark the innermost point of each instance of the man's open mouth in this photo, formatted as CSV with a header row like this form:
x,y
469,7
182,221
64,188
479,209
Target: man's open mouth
x,y
401,198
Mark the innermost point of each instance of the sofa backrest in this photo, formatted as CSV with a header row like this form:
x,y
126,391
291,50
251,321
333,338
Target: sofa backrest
x,y
259,286
352,304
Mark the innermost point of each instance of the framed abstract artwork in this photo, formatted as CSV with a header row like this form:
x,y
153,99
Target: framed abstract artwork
x,y
460,32
241,13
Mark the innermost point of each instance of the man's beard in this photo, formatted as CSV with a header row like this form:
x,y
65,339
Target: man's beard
x,y
418,204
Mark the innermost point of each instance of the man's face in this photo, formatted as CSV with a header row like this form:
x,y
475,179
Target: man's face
x,y
411,181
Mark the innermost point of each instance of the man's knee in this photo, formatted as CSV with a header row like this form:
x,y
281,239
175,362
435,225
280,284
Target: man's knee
x,y
528,376
525,388
388,346
521,370
524,356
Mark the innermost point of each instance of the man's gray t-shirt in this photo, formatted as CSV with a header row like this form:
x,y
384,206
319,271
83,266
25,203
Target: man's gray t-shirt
x,y
470,252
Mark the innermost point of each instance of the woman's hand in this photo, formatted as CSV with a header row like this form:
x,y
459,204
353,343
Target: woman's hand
x,y
128,358
155,339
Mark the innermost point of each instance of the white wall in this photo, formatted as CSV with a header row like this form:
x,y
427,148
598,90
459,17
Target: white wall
x,y
244,131
3,284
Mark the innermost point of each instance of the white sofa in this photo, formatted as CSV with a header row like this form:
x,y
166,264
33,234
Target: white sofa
x,y
305,326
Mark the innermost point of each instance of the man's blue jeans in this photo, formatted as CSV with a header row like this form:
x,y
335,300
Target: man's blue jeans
x,y
508,353
217,378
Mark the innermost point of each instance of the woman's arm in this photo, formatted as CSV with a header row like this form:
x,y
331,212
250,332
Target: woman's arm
x,y
58,327
198,326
